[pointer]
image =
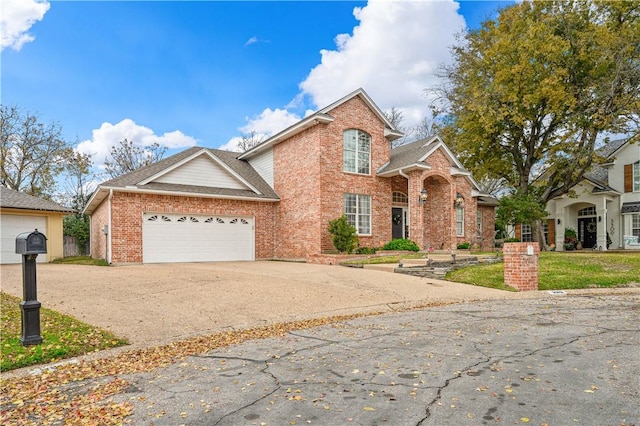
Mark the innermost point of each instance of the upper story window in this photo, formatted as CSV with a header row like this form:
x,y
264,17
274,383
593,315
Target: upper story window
x,y
636,176
356,157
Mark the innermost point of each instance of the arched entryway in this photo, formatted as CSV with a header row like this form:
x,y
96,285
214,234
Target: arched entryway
x,y
437,219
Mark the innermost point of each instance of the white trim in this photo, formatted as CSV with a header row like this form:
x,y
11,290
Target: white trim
x,y
322,117
195,155
290,131
107,250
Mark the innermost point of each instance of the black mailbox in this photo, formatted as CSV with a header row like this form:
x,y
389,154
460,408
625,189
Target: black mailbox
x,y
31,243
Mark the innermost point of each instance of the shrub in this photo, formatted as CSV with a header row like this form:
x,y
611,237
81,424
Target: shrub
x,y
401,244
464,246
366,250
512,240
343,235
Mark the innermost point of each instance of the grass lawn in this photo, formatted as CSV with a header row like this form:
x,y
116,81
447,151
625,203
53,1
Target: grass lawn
x,y
563,271
82,260
63,337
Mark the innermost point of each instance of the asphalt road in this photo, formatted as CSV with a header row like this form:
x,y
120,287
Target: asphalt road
x,y
551,360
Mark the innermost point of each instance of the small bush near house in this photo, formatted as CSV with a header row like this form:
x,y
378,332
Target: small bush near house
x,y
401,244
463,246
366,250
343,235
512,240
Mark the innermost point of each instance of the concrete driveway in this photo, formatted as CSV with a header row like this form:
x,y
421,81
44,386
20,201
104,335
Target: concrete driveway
x,y
155,303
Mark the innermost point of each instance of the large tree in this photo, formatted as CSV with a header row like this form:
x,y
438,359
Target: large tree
x,y
532,92
32,153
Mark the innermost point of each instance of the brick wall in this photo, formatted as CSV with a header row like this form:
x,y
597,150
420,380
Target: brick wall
x,y
309,179
99,218
127,210
521,269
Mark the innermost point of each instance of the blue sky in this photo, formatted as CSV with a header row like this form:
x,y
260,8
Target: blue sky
x,y
205,72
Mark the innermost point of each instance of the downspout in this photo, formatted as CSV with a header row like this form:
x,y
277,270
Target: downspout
x,y
107,249
408,224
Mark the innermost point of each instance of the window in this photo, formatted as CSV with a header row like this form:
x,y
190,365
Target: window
x,y
526,234
459,221
479,222
399,198
357,208
636,176
356,152
545,231
635,224
589,211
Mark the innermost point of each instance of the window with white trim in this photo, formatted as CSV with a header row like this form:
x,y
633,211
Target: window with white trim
x,y
399,198
357,208
459,221
525,233
635,224
636,176
356,153
479,222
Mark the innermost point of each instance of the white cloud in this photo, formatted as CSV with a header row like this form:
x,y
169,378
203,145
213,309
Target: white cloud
x,y
251,41
269,122
16,18
393,54
108,135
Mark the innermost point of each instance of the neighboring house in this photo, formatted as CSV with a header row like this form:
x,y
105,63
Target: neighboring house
x,y
606,201
276,199
23,213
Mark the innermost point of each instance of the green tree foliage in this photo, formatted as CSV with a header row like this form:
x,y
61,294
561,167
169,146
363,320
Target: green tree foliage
x,y
32,154
531,92
77,225
127,157
519,209
343,235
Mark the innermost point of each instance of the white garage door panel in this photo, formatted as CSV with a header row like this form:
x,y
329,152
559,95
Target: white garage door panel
x,y
12,225
196,238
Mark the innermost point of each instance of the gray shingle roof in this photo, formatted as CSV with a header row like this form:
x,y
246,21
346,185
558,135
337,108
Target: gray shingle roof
x,y
611,147
18,200
242,168
408,154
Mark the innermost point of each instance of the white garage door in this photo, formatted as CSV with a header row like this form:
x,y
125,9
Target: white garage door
x,y
10,226
168,237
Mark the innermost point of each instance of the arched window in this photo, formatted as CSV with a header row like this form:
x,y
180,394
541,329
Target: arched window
x,y
399,198
356,152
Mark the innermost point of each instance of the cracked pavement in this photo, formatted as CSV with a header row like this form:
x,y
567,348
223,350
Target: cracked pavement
x,y
554,359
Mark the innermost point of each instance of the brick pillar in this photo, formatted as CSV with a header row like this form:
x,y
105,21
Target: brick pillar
x,y
416,211
521,265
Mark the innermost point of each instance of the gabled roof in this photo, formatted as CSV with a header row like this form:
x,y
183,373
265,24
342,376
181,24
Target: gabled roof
x,y
143,179
322,116
414,155
18,200
608,150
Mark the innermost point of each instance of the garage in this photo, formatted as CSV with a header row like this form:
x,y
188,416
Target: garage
x,y
170,237
10,226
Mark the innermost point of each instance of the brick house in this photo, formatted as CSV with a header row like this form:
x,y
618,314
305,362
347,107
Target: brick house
x,y
605,203
276,199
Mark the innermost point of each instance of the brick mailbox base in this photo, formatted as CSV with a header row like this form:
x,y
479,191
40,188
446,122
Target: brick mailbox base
x,y
521,265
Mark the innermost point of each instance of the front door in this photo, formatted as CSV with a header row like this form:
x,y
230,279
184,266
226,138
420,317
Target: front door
x,y
587,231
397,222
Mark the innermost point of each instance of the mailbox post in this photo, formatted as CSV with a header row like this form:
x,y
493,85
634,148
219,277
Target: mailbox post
x,y
30,245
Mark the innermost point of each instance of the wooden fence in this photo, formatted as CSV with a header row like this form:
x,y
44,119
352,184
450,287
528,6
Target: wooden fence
x,y
71,248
